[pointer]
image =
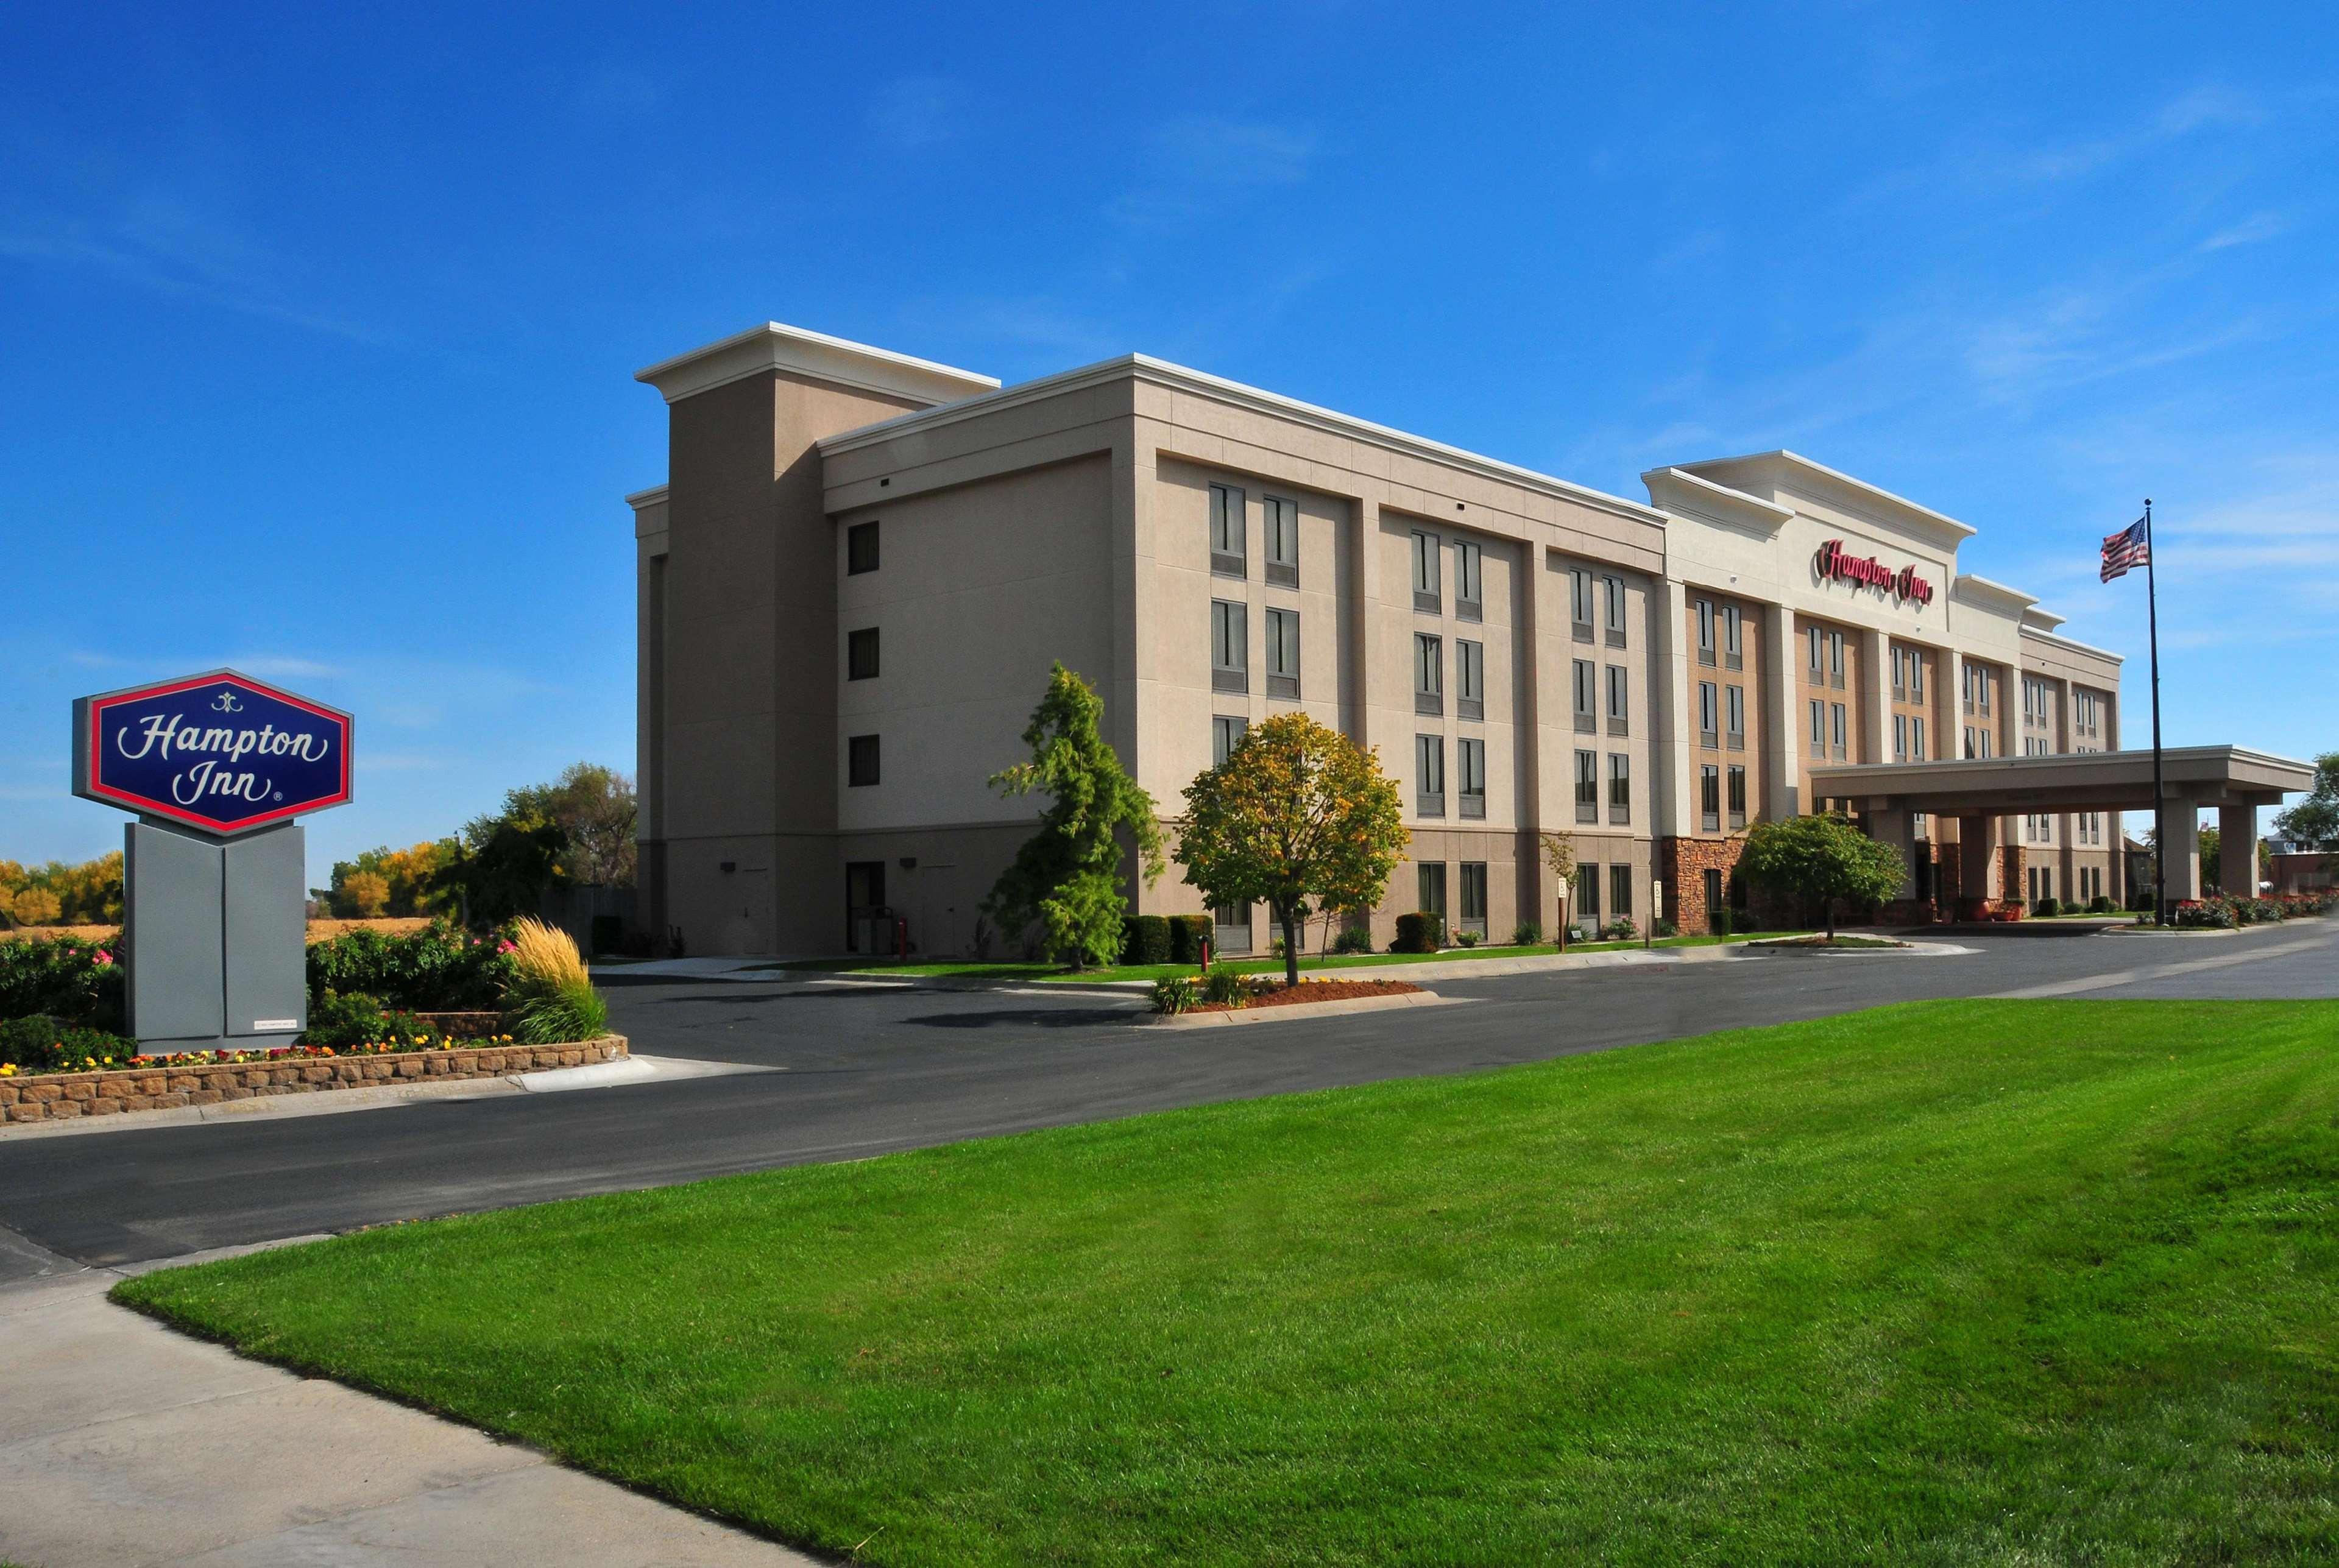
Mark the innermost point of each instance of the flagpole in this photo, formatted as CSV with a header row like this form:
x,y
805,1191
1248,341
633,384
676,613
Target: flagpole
x,y
2159,809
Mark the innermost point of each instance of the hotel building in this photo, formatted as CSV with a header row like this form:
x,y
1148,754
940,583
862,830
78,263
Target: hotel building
x,y
862,564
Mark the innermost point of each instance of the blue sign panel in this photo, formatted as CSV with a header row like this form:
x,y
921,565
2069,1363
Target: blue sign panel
x,y
218,752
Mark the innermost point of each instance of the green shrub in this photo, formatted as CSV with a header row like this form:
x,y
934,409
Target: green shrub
x,y
2204,914
1188,935
2048,908
440,969
1145,939
551,998
1353,939
1177,994
41,1043
1744,924
1526,934
2100,904
1420,931
1467,938
356,1019
1666,928
64,977
1225,986
1621,928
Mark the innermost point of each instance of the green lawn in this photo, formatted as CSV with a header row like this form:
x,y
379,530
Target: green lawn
x,y
1050,972
2002,1283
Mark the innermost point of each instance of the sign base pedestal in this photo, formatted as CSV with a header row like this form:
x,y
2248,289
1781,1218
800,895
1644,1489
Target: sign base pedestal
x,y
217,932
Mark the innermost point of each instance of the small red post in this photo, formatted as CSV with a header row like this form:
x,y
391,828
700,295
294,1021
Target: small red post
x,y
902,938
1205,955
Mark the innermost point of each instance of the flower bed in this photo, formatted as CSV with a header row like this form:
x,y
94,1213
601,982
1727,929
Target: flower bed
x,y
1256,994
211,1078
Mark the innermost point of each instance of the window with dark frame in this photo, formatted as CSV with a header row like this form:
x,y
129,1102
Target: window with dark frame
x,y
1737,796
861,761
1426,588
1819,728
860,548
1227,549
1281,520
1620,787
1429,881
1469,679
1587,786
1469,603
1704,631
1430,775
1470,776
1614,589
1580,603
1620,891
1230,646
1620,721
1428,673
1474,896
1225,734
1283,653
1733,638
1587,893
1837,743
861,654
1709,797
1709,714
1735,713
1587,697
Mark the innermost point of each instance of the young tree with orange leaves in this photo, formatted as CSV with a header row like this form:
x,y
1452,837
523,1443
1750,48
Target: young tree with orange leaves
x,y
1296,814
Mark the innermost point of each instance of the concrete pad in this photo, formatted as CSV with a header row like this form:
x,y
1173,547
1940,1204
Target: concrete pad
x,y
124,1443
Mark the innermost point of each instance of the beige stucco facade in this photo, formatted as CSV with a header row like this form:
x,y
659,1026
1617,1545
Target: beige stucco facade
x,y
862,565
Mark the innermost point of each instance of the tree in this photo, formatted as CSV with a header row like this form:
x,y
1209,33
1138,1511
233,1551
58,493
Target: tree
x,y
1559,857
1296,812
37,906
2313,822
1821,857
1067,876
2213,866
368,893
595,810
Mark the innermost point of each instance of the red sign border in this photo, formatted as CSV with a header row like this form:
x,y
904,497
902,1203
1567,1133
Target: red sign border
x,y
91,787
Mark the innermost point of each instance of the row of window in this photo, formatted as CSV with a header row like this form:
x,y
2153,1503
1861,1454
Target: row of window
x,y
1831,731
1230,649
1713,709
1908,675
1429,675
1825,663
1429,888
1978,684
1587,699
1583,588
2038,701
1587,786
1585,901
1710,796
1428,578
1429,776
1908,737
1230,537
1735,628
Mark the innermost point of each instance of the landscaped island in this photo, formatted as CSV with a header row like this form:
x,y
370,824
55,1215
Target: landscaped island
x,y
1951,1282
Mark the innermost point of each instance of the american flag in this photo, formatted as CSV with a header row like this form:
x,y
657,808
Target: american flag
x,y
2131,546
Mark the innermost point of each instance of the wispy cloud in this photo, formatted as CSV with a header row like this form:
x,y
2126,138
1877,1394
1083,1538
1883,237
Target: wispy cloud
x,y
1194,162
916,114
2250,231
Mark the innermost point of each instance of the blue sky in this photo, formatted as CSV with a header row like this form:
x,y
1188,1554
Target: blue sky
x,y
317,328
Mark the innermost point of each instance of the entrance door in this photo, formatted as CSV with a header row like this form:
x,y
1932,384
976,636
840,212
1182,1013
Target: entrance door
x,y
1714,909
865,904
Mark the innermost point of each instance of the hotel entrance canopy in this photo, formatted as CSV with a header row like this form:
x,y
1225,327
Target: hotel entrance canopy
x,y
2232,779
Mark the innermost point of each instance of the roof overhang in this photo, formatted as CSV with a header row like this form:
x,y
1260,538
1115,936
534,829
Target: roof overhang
x,y
1976,589
1793,466
814,355
2075,781
1681,493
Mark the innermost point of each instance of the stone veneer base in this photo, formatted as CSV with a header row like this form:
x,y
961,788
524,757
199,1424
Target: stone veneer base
x,y
53,1096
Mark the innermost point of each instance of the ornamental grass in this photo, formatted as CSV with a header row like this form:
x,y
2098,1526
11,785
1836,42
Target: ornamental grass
x,y
551,997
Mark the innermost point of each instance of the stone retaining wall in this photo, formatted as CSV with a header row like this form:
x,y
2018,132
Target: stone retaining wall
x,y
49,1096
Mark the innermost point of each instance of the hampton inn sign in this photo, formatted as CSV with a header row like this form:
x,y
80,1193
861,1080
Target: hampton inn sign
x,y
1869,572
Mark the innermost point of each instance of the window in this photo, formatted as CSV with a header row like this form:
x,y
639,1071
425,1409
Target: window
x,y
1835,660
1900,673
1916,677
1233,924
1965,681
1587,786
1470,764
1836,744
860,548
1981,689
1227,549
1474,896
1737,715
1734,639
1709,714
1425,574
861,761
1737,794
1704,631
1619,710
1587,895
1230,646
1819,651
1282,517
861,654
1620,890
1580,600
1614,588
1989,743
1467,604
1225,734
1469,679
1917,740
1709,797
1428,673
1620,787
1429,775
1970,752
1900,737
1819,728
1587,699
1430,881
1283,652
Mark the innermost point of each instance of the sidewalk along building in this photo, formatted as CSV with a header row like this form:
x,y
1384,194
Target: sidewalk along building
x,y
861,564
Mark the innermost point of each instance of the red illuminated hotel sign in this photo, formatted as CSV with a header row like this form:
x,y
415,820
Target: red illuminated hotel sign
x,y
1904,584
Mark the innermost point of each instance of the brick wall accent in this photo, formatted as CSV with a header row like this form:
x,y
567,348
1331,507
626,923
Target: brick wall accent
x,y
2014,865
1683,862
52,1096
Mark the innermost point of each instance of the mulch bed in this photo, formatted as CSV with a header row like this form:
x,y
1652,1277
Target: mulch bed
x,y
1308,991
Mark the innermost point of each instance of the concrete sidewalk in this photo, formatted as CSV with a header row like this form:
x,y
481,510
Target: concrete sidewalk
x,y
123,1443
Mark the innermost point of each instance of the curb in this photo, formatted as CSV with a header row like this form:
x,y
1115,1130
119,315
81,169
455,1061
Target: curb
x,y
1293,1011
